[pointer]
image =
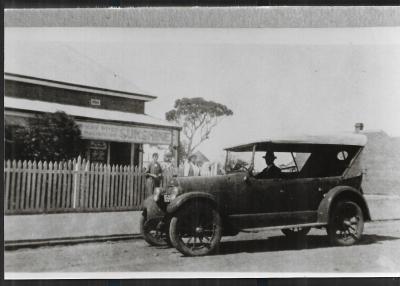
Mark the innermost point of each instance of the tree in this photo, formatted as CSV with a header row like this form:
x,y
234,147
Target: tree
x,y
51,137
197,117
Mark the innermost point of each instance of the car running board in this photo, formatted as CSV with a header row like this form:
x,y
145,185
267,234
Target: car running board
x,y
257,230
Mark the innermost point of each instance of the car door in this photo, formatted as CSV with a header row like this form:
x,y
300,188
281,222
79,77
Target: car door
x,y
236,195
303,194
267,195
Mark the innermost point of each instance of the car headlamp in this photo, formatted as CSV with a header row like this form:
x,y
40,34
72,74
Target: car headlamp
x,y
174,191
156,193
171,193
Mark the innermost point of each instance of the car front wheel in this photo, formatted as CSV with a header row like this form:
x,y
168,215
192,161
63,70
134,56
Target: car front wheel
x,y
346,224
151,234
196,229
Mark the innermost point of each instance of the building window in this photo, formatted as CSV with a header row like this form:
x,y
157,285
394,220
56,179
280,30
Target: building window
x,y
11,148
98,151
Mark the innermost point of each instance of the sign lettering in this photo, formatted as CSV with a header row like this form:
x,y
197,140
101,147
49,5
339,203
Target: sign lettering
x,y
132,134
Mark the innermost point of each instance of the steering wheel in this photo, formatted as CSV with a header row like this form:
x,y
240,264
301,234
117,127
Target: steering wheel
x,y
240,168
249,169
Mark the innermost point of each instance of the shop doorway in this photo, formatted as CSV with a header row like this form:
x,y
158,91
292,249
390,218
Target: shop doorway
x,y
120,153
137,151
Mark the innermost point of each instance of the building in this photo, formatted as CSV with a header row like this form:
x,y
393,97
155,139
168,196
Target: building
x,y
113,123
380,162
201,158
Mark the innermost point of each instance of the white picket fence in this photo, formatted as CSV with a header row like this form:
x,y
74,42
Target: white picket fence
x,y
73,186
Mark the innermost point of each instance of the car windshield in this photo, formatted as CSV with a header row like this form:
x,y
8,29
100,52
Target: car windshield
x,y
288,162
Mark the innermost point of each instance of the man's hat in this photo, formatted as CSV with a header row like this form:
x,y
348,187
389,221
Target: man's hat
x,y
269,154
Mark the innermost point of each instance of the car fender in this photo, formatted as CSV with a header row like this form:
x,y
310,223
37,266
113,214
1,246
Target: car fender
x,y
178,202
337,193
151,210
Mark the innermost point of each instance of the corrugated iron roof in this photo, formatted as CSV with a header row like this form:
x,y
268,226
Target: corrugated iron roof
x,y
59,61
201,157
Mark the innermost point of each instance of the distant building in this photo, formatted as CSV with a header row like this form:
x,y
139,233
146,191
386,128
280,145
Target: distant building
x,y
200,157
380,161
113,123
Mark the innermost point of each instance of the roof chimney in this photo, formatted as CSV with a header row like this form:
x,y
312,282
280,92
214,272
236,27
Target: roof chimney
x,y
359,127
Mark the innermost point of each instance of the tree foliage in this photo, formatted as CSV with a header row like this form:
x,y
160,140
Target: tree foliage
x,y
50,136
197,117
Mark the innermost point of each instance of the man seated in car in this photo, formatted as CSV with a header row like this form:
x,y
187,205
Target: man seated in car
x,y
271,171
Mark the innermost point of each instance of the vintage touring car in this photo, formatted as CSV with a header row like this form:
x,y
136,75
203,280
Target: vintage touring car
x,y
319,185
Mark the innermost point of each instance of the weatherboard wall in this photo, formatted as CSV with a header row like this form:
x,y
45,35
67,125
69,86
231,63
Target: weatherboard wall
x,y
72,97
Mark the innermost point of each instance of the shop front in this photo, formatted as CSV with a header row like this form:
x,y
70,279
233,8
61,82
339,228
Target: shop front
x,y
123,144
113,123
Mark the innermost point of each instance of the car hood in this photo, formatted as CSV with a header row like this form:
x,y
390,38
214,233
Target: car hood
x,y
207,184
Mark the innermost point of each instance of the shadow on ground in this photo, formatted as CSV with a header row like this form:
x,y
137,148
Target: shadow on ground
x,y
281,243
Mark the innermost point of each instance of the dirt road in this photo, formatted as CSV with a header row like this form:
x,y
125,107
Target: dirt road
x,y
379,251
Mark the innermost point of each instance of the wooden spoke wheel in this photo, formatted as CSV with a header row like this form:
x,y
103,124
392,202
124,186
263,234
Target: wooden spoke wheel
x,y
152,234
196,229
296,232
346,224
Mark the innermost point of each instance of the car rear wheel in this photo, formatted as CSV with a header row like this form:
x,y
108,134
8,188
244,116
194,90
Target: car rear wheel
x,y
296,232
151,234
196,229
346,223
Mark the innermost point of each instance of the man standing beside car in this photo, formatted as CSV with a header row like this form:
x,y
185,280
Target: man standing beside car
x,y
271,171
153,175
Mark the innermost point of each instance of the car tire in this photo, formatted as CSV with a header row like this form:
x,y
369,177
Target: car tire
x,y
196,229
150,233
346,223
296,232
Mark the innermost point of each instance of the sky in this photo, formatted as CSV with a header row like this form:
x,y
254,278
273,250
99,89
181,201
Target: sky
x,y
276,81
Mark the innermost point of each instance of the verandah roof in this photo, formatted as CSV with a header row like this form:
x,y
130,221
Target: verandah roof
x,y
85,112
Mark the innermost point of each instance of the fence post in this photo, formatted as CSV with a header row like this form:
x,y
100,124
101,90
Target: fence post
x,y
85,188
7,170
76,174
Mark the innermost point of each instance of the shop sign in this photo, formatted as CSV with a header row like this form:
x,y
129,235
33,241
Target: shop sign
x,y
98,155
121,133
100,145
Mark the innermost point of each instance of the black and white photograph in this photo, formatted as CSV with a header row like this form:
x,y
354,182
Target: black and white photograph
x,y
140,147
